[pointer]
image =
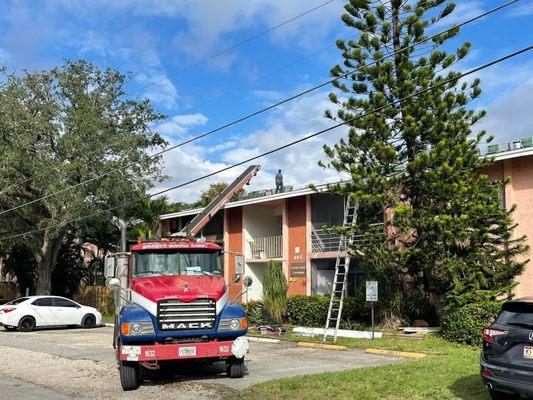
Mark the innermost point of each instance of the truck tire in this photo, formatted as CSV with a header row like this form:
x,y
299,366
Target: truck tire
x,y
26,324
235,367
129,375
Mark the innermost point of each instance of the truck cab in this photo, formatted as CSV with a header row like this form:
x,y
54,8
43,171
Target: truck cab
x,y
176,307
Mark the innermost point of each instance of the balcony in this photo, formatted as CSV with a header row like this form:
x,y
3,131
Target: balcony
x,y
266,248
325,242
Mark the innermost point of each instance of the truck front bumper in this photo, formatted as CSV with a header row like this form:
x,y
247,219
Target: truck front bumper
x,y
161,352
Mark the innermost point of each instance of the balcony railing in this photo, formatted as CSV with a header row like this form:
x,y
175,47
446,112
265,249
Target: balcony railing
x,y
265,248
325,242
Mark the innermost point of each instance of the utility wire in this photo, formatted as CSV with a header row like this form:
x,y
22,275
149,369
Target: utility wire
x,y
258,112
219,53
389,104
233,47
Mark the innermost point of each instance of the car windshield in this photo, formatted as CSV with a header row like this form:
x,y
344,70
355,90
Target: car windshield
x,y
176,263
17,301
519,314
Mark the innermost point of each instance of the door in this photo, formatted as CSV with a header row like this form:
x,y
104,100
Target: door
x,y
67,311
45,314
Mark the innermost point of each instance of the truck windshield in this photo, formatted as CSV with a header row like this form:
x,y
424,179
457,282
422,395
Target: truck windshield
x,y
174,263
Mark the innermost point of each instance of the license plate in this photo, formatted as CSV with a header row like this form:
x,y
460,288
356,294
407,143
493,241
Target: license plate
x,y
528,352
191,351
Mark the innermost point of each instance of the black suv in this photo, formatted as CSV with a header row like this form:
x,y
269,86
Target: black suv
x,y
507,355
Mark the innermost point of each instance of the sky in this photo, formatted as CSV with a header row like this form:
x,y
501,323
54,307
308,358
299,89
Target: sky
x,y
163,44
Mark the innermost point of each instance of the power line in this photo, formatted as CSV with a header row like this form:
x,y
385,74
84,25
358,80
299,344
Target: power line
x,y
258,112
392,103
214,55
233,47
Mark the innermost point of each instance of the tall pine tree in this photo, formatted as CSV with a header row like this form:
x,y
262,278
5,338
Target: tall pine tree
x,y
417,161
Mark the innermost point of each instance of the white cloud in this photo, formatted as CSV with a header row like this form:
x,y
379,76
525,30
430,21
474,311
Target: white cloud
x,y
510,118
522,10
298,163
179,125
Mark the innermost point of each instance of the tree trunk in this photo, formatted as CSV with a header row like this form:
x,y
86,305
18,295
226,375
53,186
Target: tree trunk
x,y
46,262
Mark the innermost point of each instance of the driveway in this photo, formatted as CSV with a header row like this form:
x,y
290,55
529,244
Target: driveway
x,y
80,364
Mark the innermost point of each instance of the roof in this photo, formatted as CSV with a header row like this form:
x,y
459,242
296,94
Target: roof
x,y
506,155
253,200
172,245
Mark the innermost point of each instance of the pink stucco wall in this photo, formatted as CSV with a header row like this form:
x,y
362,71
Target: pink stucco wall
x,y
520,192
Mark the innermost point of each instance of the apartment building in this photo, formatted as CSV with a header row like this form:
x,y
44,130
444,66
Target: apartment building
x,y
288,227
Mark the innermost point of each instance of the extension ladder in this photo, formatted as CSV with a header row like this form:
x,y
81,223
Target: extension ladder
x,y
342,267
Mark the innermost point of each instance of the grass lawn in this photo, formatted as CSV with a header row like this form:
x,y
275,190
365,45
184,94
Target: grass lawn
x,y
448,372
108,318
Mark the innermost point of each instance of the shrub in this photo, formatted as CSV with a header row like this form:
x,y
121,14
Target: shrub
x,y
418,306
256,314
275,289
307,310
464,324
312,311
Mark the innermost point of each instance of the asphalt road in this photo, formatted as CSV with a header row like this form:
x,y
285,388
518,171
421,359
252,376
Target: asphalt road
x,y
79,364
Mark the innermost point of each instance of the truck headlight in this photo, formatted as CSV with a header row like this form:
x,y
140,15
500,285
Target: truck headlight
x,y
137,328
233,324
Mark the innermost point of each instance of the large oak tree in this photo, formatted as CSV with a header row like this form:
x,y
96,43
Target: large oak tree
x,y
59,127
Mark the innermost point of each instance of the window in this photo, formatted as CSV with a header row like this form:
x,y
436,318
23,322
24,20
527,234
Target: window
x,y
17,301
58,302
171,263
43,302
517,313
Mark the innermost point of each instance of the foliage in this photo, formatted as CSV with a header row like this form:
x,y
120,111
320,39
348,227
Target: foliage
x,y
275,289
256,313
463,324
18,260
312,311
70,270
418,306
214,190
60,127
417,161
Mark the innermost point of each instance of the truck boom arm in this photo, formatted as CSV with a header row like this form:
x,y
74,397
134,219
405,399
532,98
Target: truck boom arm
x,y
198,222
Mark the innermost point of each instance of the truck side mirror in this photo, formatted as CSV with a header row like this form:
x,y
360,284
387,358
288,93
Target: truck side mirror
x,y
247,281
109,267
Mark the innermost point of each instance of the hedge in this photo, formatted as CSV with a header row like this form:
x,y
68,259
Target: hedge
x,y
464,324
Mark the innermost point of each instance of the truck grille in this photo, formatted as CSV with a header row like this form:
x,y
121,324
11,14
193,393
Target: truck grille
x,y
178,315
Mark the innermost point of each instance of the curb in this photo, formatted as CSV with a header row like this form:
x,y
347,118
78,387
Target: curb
x,y
322,346
403,354
262,340
108,324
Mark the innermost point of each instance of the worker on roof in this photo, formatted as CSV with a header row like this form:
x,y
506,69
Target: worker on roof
x,y
279,182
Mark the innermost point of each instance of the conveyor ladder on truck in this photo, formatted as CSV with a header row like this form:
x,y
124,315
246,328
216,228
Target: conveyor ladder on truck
x,y
198,222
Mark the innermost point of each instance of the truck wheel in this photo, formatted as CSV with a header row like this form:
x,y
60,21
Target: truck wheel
x,y
235,367
129,375
27,324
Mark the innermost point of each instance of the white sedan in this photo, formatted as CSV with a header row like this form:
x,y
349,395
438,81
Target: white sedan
x,y
27,313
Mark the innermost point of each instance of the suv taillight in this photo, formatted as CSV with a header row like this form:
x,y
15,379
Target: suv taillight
x,y
6,310
489,334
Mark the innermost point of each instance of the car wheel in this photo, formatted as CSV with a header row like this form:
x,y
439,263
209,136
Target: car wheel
x,y
26,324
129,375
10,328
235,367
497,395
89,321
